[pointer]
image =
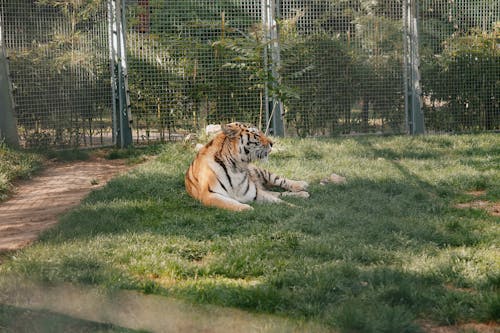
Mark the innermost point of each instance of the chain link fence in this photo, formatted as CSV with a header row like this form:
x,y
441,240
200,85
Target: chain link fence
x,y
321,67
337,67
343,61
460,64
59,68
182,74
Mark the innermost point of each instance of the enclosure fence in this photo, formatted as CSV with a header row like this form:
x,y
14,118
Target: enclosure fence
x,y
59,69
292,67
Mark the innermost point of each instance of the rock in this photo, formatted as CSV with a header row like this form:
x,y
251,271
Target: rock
x,y
190,138
333,179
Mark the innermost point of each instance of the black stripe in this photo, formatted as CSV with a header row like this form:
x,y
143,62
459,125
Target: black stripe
x,y
230,155
221,163
222,184
233,162
191,181
261,176
192,173
248,188
266,175
243,180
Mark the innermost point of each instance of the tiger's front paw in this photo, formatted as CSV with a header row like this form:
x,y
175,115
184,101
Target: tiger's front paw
x,y
298,186
244,207
302,194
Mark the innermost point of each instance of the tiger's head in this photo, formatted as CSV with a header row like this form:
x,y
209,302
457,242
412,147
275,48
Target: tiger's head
x,y
248,141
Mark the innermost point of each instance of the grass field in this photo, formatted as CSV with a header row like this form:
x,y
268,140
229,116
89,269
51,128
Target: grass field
x,y
387,251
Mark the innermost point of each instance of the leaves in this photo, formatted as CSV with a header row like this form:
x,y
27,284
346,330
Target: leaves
x,y
83,9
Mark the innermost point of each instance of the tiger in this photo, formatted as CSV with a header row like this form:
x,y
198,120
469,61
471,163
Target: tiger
x,y
222,174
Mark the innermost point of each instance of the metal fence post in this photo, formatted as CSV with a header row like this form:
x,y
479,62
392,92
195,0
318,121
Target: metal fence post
x,y
8,127
274,108
413,90
122,133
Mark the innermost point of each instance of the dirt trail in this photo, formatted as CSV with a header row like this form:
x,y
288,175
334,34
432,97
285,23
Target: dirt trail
x,y
38,202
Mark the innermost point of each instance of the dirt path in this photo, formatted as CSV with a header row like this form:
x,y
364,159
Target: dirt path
x,y
38,202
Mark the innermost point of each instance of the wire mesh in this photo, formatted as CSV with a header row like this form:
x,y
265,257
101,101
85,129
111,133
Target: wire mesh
x,y
193,63
342,61
58,54
198,62
460,50
337,66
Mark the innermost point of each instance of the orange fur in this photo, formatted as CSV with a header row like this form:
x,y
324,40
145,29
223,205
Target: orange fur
x,y
222,175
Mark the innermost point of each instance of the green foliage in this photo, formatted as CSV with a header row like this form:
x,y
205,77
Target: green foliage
x,y
379,253
328,96
180,72
65,76
341,66
349,79
466,89
76,9
378,62
246,55
208,69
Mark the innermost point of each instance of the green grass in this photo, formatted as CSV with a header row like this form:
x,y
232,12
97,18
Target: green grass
x,y
15,164
381,253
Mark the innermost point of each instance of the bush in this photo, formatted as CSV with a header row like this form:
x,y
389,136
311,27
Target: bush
x,y
462,83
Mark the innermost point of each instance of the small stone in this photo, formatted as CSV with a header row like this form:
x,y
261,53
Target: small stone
x,y
191,137
334,178
337,179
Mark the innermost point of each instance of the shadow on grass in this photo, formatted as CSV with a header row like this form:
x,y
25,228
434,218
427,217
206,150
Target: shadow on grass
x,y
19,320
375,213
431,147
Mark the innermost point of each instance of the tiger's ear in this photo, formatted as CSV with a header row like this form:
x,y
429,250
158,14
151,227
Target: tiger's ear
x,y
232,129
